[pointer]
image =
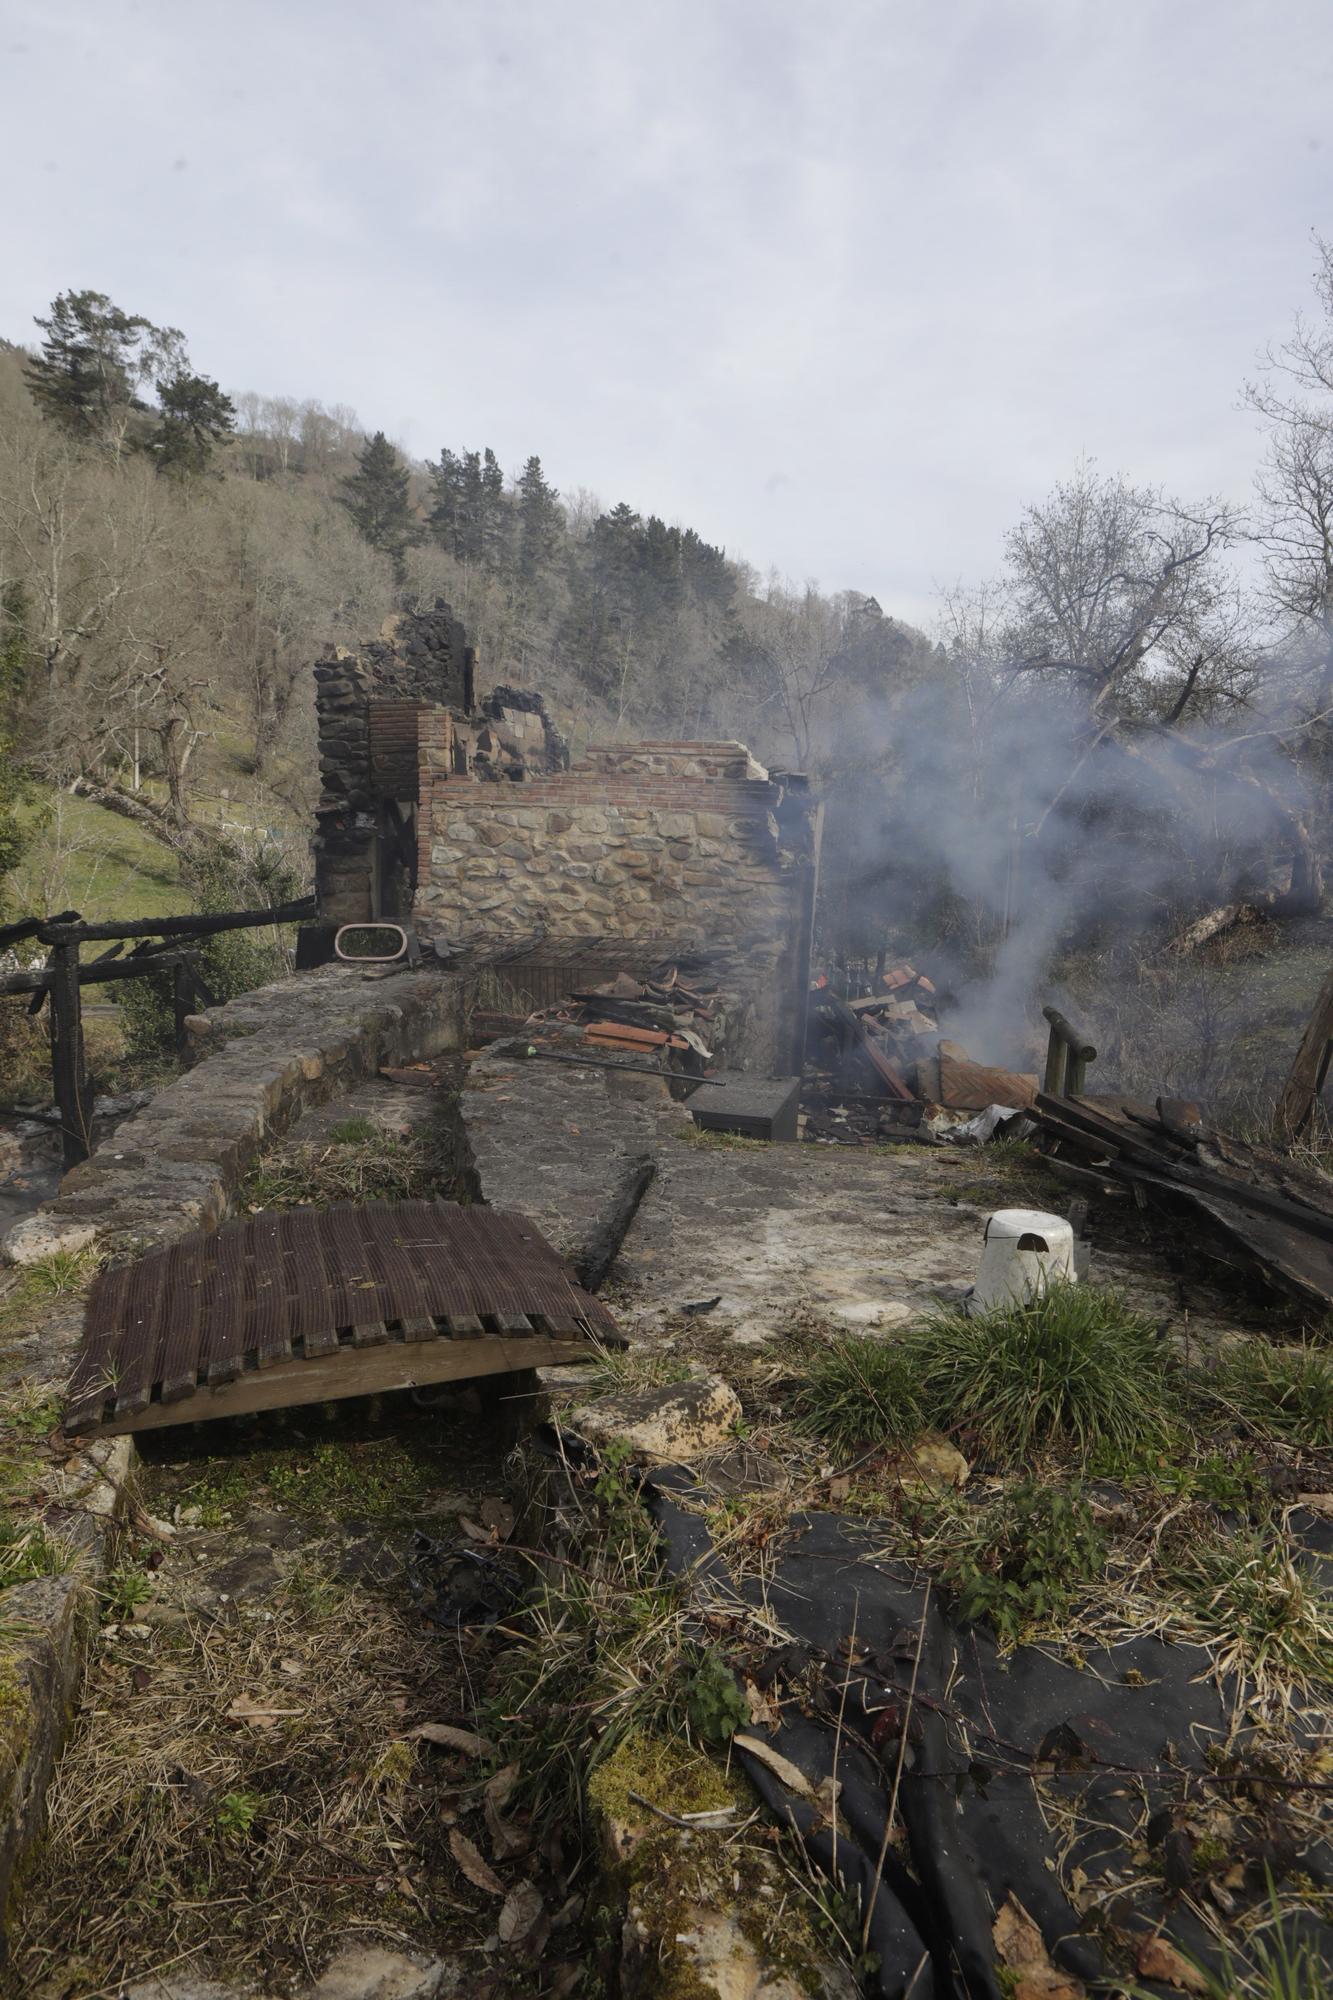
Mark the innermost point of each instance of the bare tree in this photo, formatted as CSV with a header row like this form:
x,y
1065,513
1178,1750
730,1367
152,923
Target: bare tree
x,y
1110,586
789,644
1293,397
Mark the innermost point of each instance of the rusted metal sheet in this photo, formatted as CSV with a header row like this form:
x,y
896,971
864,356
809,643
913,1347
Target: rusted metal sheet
x,y
284,1309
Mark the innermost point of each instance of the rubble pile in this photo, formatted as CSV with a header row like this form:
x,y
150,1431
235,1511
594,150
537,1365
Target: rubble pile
x,y
657,1018
879,1068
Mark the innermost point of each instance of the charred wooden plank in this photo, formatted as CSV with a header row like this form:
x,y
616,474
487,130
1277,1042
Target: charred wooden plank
x,y
602,1248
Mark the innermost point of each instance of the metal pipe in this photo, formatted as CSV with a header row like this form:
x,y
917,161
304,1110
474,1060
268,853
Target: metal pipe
x,y
633,1069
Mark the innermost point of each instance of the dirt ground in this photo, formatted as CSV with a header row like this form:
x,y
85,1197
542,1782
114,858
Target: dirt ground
x,y
258,1778
249,1790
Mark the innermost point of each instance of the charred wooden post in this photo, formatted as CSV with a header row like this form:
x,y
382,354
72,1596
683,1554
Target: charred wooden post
x,y
1068,1053
1309,1071
72,1094
182,1002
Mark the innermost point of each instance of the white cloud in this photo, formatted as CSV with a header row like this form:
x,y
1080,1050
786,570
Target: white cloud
x,y
842,286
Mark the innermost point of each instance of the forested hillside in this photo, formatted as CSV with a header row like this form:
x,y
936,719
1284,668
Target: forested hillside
x,y
172,560
1126,729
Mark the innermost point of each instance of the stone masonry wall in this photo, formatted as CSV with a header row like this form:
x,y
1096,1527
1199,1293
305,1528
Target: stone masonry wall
x,y
649,841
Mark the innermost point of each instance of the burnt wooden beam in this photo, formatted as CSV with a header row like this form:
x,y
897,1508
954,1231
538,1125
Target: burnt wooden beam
x,y
603,1246
71,1090
58,931
96,974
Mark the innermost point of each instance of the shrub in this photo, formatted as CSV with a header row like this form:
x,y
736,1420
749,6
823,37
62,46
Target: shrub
x,y
860,1390
1073,1369
232,962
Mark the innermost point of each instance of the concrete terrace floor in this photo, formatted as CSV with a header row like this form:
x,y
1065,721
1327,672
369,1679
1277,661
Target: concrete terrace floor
x,y
863,1239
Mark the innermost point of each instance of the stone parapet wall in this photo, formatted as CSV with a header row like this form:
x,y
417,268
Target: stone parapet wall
x,y
267,1057
172,1169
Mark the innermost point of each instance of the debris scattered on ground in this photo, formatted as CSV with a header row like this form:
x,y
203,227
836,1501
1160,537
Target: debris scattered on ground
x,y
1278,1211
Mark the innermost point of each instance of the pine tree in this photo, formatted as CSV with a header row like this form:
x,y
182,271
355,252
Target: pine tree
x,y
539,521
93,362
376,497
446,487
196,417
469,512
494,513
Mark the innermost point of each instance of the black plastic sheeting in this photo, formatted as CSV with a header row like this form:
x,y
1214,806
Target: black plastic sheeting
x,y
1117,1741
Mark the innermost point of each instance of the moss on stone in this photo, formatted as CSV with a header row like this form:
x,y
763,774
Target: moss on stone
x,y
671,1879
675,1777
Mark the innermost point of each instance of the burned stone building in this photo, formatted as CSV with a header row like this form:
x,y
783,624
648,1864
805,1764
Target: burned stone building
x,y
463,817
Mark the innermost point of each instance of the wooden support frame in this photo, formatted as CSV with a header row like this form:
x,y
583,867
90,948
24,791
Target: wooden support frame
x,y
1068,1053
69,1076
357,1371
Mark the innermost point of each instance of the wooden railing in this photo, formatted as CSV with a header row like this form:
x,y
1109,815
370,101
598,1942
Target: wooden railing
x,y
63,978
1068,1053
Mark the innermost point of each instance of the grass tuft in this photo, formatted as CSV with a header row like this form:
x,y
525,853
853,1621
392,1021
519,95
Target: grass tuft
x,y
1073,1369
353,1168
859,1391
61,1275
353,1131
27,1550
1264,1613
1282,1392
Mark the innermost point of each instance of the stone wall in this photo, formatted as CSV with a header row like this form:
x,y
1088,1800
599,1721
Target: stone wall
x,y
685,841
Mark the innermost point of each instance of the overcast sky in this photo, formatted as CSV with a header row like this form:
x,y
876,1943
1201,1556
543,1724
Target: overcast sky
x,y
840,283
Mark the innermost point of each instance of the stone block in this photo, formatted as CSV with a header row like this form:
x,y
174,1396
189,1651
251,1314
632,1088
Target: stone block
x,y
40,1235
664,1425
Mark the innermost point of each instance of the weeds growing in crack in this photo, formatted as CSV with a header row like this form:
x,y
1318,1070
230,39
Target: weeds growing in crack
x,y
1278,1392
602,1653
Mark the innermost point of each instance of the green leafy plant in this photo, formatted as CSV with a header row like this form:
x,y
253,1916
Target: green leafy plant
x,y
126,1588
227,876
1175,1467
1074,1368
714,1703
236,1814
1021,1561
